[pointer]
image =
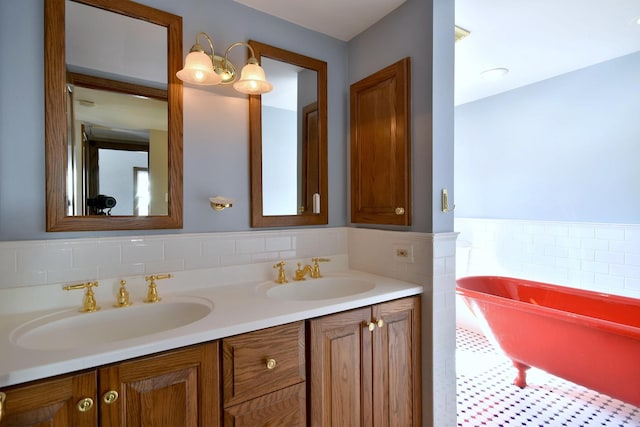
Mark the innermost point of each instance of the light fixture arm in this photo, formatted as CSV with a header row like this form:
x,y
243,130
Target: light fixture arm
x,y
251,60
198,47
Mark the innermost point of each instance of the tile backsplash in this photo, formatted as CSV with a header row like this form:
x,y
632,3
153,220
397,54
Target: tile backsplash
x,y
32,263
593,256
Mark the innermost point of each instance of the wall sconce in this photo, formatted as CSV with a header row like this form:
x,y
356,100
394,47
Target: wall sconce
x,y
204,68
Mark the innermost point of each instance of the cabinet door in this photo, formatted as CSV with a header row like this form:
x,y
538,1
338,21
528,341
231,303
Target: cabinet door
x,y
176,388
340,369
380,147
396,364
58,402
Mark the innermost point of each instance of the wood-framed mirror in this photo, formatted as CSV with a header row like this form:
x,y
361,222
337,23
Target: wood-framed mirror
x,y
288,141
113,116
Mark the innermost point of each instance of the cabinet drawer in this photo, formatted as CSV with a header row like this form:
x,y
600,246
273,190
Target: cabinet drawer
x,y
285,407
245,369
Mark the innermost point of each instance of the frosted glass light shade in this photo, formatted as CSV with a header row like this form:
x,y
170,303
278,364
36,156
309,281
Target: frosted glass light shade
x,y
198,69
252,80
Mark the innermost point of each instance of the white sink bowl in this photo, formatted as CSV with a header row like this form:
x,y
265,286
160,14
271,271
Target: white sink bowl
x,y
319,289
72,329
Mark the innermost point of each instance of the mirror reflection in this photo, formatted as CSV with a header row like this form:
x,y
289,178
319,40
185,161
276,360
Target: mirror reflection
x,y
113,116
288,141
117,132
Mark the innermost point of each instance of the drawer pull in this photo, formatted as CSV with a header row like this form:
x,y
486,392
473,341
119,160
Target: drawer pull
x,y
271,364
110,397
3,398
85,404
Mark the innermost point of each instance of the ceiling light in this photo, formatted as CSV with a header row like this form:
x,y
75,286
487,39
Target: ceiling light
x,y
461,33
204,68
494,73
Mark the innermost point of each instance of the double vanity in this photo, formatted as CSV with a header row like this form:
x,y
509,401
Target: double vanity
x,y
297,353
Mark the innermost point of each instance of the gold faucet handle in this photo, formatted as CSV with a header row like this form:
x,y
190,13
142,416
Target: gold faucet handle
x,y
316,267
89,302
282,277
152,293
155,277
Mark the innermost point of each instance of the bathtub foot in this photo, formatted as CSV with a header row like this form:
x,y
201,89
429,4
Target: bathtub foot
x,y
521,378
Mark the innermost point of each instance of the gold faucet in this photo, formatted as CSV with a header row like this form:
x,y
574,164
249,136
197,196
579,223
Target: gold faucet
x,y
89,301
302,271
314,271
282,278
152,293
123,296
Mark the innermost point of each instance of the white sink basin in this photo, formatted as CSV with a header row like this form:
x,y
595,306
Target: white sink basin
x,y
319,289
72,329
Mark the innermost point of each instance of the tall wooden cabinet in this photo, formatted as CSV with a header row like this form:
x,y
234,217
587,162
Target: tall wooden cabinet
x,y
380,111
365,366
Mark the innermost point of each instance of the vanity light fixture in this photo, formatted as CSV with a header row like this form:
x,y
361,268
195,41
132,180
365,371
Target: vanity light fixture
x,y
204,68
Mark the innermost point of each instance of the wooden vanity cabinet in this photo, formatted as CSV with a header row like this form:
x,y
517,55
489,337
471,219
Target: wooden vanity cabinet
x,y
364,372
174,388
264,376
52,402
363,367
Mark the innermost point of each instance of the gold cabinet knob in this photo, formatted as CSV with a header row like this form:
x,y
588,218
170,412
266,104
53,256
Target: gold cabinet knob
x,y
271,363
110,397
3,398
85,404
380,323
371,326
399,211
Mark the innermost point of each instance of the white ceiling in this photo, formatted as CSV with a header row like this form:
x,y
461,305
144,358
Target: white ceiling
x,y
538,39
534,39
341,19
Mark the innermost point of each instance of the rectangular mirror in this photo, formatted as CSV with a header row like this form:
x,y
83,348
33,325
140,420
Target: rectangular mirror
x,y
113,120
288,141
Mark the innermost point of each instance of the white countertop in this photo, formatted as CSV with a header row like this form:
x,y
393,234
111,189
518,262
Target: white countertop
x,y
237,309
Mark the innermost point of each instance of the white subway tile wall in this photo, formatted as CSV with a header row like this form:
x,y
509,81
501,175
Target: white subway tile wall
x,y
32,263
593,256
433,267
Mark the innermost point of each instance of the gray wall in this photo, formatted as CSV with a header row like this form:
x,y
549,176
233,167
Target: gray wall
x,y
216,157
409,31
564,149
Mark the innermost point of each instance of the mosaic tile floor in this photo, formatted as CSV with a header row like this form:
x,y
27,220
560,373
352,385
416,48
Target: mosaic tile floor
x,y
487,397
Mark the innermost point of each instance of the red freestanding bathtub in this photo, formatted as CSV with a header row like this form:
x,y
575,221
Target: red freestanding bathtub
x,y
589,338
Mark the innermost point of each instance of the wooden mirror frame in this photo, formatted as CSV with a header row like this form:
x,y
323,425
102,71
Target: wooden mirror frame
x,y
56,128
255,141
